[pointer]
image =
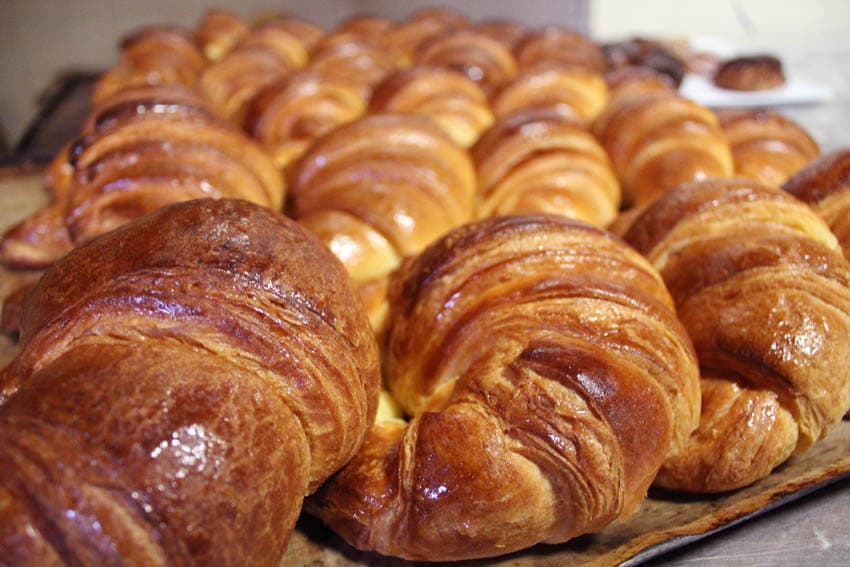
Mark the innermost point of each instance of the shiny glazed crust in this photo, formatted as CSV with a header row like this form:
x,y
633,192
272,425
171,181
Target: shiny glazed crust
x,y
762,288
659,140
752,73
220,384
141,150
538,161
527,350
766,146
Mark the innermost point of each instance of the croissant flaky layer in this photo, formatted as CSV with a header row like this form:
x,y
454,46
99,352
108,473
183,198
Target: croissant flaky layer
x,y
546,376
762,287
182,383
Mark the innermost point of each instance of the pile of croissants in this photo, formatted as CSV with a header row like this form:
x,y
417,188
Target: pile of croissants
x,y
455,288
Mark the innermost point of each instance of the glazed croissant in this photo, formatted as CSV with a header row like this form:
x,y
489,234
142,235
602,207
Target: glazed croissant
x,y
576,92
482,59
560,46
218,33
825,185
406,37
379,189
762,288
766,146
660,140
547,377
351,58
287,116
454,100
262,57
540,161
507,32
143,149
152,56
182,384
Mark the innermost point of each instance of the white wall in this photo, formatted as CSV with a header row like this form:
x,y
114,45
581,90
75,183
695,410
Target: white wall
x,y
751,21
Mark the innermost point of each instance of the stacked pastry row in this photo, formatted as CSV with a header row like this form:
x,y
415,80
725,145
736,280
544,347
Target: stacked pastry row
x,y
544,374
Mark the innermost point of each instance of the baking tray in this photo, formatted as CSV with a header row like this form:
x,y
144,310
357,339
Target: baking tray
x,y
664,522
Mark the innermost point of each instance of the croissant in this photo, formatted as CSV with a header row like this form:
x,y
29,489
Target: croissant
x,y
219,32
547,377
482,59
152,56
660,140
382,188
408,36
367,27
825,185
561,46
308,33
631,81
262,57
455,101
576,92
182,384
507,32
762,288
539,161
353,59
766,146
146,149
287,116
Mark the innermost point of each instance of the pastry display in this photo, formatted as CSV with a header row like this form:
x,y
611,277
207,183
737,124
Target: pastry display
x,y
750,73
546,377
766,146
226,370
467,286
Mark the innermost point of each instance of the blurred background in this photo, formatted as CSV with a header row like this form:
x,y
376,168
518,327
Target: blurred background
x,y
44,41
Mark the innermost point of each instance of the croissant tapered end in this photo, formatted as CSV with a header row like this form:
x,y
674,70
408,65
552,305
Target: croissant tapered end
x,y
226,368
36,242
547,377
761,286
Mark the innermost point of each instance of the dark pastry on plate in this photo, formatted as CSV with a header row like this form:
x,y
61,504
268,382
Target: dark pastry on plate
x,y
750,73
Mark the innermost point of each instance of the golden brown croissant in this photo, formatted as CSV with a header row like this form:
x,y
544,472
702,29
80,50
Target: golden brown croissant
x,y
289,115
406,37
482,59
382,188
576,92
153,56
766,146
182,384
365,26
263,56
219,32
547,377
825,186
308,33
507,32
540,161
351,58
454,100
762,287
660,140
632,81
145,149
558,45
